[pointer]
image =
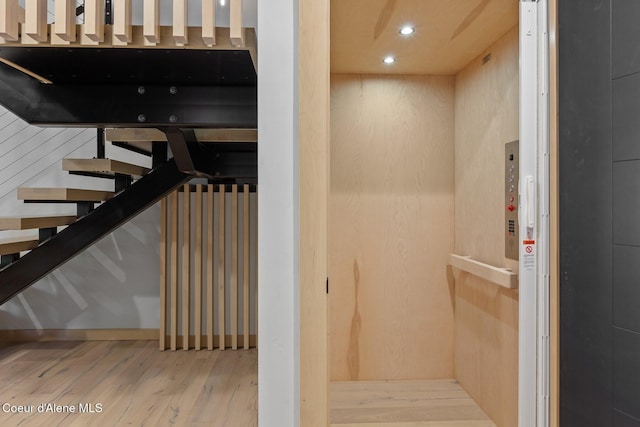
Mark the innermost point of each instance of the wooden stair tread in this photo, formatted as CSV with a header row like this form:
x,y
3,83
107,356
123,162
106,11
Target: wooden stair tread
x,y
144,135
103,166
17,244
30,222
63,194
141,146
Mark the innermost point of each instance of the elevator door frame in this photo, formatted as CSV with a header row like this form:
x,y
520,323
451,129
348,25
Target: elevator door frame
x,y
533,359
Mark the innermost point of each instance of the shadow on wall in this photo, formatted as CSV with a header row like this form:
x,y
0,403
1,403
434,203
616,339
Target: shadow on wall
x,y
113,284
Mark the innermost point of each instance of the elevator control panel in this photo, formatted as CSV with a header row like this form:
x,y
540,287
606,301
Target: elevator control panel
x,y
511,173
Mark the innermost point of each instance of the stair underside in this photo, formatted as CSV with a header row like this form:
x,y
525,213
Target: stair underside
x,y
31,222
185,88
17,244
63,194
106,166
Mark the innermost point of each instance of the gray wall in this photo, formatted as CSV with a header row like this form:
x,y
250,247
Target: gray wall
x,y
599,212
114,284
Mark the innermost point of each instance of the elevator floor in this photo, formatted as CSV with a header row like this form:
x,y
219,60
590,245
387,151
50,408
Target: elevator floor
x,y
424,403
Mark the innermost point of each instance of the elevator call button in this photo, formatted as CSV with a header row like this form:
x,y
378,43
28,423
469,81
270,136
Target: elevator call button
x,y
511,176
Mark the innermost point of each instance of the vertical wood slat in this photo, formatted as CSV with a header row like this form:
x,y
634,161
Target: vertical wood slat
x,y
234,266
122,21
245,265
209,22
186,270
9,20
93,28
221,272
35,26
151,22
163,274
180,22
236,29
210,299
173,261
174,270
198,269
64,26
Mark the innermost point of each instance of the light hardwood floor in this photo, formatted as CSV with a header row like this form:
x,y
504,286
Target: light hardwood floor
x,y
426,403
136,384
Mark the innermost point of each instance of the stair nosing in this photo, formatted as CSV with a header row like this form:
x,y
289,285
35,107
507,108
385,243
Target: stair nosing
x,y
66,195
28,243
27,222
134,169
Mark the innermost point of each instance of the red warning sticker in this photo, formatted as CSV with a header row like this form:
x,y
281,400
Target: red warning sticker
x,y
529,255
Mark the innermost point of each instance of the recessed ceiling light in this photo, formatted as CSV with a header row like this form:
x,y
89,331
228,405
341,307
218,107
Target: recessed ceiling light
x,y
406,30
389,60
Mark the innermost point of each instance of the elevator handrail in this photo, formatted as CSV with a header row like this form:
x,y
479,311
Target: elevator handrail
x,y
500,276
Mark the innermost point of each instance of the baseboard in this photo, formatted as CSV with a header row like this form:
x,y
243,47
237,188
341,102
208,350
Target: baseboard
x,y
25,335
39,335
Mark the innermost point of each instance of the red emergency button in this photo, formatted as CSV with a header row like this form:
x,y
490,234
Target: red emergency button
x,y
511,208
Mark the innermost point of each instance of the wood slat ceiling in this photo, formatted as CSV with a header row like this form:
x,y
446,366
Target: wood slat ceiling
x,y
449,34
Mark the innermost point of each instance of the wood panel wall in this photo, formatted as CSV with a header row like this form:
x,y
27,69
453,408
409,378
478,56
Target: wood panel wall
x,y
208,264
391,227
313,169
486,315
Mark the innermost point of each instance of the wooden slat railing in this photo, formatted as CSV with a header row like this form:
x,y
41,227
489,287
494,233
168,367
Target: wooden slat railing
x,y
180,33
35,26
122,21
10,20
64,27
204,277
29,25
235,23
209,22
93,28
151,22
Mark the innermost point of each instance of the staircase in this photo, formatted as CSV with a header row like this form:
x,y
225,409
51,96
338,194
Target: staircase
x,y
59,238
56,239
193,90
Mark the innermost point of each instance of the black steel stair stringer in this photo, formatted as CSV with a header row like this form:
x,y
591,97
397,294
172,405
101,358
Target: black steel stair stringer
x,y
60,248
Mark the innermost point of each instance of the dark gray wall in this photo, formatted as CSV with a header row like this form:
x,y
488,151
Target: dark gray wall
x,y
599,213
